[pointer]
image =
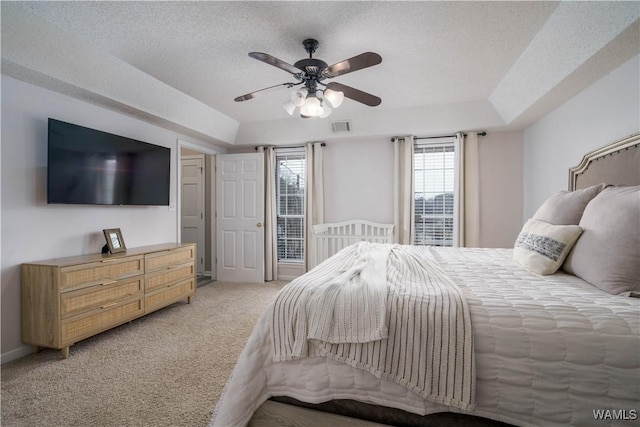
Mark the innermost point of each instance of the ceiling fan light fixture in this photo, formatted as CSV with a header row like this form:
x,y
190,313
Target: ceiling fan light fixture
x,y
299,96
326,110
312,107
334,97
289,107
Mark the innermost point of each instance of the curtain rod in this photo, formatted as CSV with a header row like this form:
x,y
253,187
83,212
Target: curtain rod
x,y
322,144
483,133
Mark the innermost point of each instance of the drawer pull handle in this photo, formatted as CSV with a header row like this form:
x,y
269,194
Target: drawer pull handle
x,y
110,260
109,305
108,283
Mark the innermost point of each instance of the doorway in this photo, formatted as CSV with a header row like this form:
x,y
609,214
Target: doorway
x,y
192,204
196,209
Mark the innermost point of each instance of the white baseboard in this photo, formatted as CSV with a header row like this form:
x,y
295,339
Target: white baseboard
x,y
15,354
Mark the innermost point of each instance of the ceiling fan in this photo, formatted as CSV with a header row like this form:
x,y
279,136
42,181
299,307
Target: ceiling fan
x,y
314,97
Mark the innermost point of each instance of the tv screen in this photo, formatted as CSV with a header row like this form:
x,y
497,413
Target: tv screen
x,y
90,167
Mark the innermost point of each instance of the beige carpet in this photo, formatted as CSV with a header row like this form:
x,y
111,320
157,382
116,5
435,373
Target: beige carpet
x,y
165,369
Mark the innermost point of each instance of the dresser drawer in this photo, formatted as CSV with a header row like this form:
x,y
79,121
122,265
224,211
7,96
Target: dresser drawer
x,y
79,276
92,297
163,278
161,260
85,325
168,295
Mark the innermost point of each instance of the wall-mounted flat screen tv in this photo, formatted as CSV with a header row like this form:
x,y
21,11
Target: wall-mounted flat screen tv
x,y
90,167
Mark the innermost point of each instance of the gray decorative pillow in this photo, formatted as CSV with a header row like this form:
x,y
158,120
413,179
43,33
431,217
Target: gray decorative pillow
x,y
542,247
608,252
566,207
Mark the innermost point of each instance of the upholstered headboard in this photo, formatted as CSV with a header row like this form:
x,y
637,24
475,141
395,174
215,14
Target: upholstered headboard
x,y
617,163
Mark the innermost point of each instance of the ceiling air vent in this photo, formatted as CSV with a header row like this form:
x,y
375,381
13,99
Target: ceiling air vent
x,y
344,126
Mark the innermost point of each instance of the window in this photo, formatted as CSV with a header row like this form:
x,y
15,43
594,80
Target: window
x,y
434,193
290,173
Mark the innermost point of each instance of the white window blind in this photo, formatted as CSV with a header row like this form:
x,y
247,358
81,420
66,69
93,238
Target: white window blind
x,y
434,193
290,173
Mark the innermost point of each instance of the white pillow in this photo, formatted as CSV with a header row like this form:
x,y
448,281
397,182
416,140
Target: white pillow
x,y
566,207
608,253
542,247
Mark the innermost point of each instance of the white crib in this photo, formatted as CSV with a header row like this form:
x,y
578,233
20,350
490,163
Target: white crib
x,y
331,237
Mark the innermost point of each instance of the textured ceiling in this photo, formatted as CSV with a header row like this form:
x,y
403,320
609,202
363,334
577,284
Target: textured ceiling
x,y
434,53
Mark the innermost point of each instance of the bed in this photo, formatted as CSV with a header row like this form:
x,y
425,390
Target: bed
x,y
554,336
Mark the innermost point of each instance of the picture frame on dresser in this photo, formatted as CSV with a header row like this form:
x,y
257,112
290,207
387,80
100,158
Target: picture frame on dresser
x,y
115,241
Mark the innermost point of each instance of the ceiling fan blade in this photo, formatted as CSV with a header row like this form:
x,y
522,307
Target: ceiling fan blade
x,y
253,94
265,57
364,60
355,94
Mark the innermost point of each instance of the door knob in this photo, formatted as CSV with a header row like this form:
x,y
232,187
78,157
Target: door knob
x,y
259,224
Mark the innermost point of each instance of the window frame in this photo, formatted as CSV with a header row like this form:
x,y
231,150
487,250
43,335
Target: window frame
x,y
443,142
279,154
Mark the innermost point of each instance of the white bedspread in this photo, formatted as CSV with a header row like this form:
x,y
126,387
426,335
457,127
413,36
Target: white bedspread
x,y
550,350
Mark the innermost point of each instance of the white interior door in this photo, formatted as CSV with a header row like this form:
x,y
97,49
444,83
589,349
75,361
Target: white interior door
x,y
192,205
240,217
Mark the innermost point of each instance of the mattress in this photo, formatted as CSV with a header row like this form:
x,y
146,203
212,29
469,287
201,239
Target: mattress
x,y
549,350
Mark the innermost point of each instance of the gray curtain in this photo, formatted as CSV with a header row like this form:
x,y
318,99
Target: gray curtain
x,y
468,190
313,194
270,215
403,201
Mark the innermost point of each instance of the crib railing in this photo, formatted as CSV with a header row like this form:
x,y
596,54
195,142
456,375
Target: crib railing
x,y
331,237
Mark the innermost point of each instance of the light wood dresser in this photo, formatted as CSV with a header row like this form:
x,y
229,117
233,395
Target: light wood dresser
x,y
66,300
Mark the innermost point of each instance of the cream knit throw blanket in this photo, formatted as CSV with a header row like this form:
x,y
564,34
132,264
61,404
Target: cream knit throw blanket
x,y
350,308
333,302
388,309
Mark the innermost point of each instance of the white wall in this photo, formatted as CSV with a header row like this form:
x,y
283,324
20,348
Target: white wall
x,y
606,111
33,230
358,180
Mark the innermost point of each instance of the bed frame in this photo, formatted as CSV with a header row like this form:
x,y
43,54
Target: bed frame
x,y
617,164
329,238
